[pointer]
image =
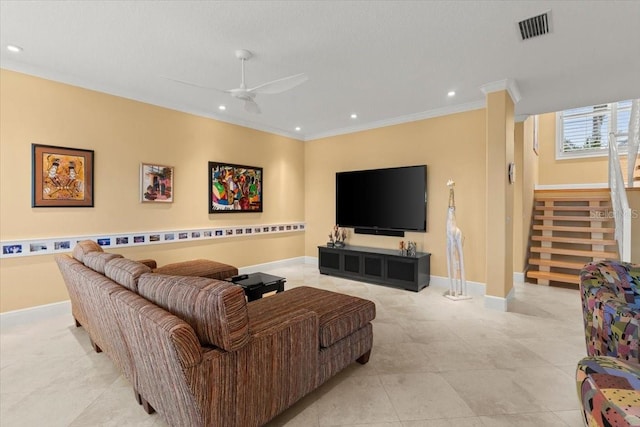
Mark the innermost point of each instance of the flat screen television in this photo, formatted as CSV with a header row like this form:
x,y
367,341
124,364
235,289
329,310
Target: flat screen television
x,y
383,201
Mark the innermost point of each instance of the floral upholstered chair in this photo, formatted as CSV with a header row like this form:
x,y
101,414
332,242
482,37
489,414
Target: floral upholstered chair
x,y
610,292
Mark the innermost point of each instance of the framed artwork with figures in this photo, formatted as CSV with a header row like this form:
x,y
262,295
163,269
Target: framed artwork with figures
x,y
234,188
62,177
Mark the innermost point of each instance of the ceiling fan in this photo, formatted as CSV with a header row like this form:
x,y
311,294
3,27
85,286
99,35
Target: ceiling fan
x,y
247,94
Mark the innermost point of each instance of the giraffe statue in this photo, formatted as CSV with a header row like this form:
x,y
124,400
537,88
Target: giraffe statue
x,y
455,256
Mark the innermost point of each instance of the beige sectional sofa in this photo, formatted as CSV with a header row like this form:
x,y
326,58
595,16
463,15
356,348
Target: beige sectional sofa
x,y
200,355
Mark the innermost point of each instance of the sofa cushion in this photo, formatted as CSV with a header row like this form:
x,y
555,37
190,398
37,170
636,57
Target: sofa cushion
x,y
340,315
84,247
125,272
216,310
97,260
199,268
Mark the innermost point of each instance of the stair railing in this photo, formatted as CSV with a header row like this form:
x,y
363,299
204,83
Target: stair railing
x,y
619,201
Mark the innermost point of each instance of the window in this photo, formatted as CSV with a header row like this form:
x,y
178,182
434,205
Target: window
x,y
584,131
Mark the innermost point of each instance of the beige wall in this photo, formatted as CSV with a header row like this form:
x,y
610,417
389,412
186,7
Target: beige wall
x,y
124,133
499,193
451,146
567,171
526,161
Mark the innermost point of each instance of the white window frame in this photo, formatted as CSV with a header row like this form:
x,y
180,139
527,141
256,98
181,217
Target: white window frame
x,y
602,151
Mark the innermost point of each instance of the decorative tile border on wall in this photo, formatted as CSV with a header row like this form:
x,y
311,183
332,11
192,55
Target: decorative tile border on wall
x,y
31,247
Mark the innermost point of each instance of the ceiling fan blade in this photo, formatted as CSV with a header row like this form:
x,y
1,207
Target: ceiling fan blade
x,y
251,106
184,82
280,85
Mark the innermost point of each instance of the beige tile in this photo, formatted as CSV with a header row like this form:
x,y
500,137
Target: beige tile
x,y
388,333
400,358
428,331
546,419
52,407
571,418
557,350
303,413
354,400
446,422
115,407
550,387
421,396
492,392
455,356
505,354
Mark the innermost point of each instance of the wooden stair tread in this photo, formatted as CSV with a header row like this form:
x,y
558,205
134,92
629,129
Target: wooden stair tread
x,y
576,240
571,218
572,208
556,277
584,199
575,252
574,265
576,229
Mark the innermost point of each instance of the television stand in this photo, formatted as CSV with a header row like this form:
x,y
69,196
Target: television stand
x,y
375,265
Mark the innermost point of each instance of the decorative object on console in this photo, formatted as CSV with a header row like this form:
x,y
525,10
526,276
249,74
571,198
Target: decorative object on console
x,y
156,183
411,248
455,258
234,188
62,177
337,237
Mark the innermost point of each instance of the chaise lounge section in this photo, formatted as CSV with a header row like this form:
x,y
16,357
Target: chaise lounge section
x,y
199,354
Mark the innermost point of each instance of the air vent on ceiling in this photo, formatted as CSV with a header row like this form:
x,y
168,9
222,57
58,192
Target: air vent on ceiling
x,y
535,26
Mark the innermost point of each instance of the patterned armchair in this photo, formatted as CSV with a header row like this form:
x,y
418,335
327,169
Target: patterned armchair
x,y
610,292
608,389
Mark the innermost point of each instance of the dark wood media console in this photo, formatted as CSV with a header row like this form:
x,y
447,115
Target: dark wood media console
x,y
383,266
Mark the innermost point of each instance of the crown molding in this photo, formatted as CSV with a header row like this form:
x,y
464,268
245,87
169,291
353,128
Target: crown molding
x,y
476,105
507,84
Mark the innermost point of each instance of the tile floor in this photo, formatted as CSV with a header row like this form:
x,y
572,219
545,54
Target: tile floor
x,y
434,363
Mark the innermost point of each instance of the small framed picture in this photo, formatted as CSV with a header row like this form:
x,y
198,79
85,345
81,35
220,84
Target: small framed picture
x,y
62,177
156,183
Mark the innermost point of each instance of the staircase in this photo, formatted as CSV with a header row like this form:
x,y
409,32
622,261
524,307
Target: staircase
x,y
569,229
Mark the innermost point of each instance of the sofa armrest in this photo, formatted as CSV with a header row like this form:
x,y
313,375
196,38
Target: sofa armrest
x,y
282,363
151,263
276,368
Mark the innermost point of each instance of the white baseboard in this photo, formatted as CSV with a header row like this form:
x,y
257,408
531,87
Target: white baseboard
x,y
26,315
273,264
473,288
311,260
518,277
499,303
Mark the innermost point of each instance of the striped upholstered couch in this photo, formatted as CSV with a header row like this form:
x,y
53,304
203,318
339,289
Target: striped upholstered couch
x,y
200,355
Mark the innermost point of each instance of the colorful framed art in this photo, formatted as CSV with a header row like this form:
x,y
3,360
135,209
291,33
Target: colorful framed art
x,y
62,177
156,183
234,188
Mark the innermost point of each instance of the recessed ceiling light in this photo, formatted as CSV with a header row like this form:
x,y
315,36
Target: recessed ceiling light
x,y
354,116
451,93
298,128
13,48
222,107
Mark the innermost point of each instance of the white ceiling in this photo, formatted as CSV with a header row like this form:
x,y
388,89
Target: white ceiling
x,y
387,61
